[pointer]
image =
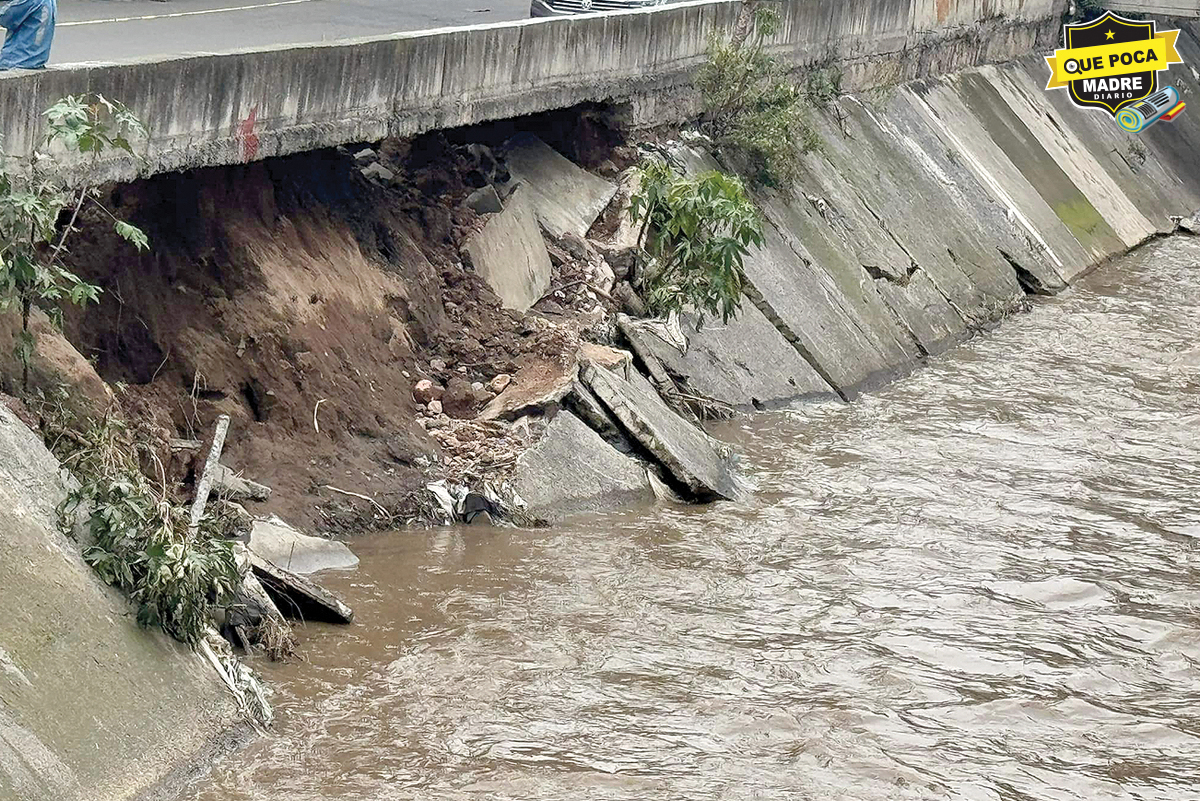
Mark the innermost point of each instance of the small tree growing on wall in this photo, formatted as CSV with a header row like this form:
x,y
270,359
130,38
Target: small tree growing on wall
x,y
695,233
39,210
751,105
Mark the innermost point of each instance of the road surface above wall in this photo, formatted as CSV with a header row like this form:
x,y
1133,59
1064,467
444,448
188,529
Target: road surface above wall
x,y
101,30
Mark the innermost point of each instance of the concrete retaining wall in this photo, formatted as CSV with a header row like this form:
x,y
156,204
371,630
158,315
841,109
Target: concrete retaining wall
x,y
207,110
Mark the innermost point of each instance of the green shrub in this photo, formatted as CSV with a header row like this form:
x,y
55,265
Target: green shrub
x,y
695,233
752,107
139,539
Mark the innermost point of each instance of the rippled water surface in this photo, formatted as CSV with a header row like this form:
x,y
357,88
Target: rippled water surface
x,y
980,583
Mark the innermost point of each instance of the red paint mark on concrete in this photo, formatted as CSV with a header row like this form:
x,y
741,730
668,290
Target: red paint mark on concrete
x,y
247,136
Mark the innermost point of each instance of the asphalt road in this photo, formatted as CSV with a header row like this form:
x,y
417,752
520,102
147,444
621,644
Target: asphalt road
x,y
114,30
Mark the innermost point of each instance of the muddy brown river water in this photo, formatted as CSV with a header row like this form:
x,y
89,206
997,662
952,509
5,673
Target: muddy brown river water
x,y
982,582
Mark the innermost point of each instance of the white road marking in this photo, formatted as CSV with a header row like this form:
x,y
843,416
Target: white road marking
x,y
183,13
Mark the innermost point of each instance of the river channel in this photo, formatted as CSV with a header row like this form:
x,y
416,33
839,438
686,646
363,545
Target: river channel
x,y
982,582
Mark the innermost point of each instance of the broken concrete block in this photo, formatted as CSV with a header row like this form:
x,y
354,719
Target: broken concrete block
x,y
606,357
298,597
229,485
484,201
510,254
572,469
366,156
566,197
378,172
744,363
278,543
588,408
1190,225
687,452
533,388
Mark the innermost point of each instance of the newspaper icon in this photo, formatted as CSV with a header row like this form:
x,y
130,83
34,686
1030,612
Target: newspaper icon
x,y
1162,105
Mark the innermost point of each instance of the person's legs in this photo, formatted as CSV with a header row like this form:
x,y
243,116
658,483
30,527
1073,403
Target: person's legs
x,y
29,26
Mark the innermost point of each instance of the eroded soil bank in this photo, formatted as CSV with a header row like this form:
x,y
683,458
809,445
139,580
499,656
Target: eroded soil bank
x,y
375,318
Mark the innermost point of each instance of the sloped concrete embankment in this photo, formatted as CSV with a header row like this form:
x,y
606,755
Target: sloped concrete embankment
x,y
92,707
930,212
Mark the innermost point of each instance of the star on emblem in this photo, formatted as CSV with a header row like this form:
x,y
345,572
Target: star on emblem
x,y
1109,34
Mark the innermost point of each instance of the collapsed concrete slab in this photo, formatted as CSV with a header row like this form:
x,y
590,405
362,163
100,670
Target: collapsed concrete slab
x,y
229,485
743,363
573,469
689,454
565,197
278,543
93,707
511,254
536,386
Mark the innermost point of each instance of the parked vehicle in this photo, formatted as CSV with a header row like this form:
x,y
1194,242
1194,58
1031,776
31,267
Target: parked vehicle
x,y
562,8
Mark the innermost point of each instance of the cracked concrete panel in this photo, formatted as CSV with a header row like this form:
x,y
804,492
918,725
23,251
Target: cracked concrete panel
x,y
77,666
921,306
822,301
830,302
689,454
972,144
511,254
573,469
1002,232
565,197
745,363
1029,103
906,195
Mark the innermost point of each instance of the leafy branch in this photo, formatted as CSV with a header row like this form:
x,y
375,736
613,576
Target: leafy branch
x,y
34,198
695,234
750,104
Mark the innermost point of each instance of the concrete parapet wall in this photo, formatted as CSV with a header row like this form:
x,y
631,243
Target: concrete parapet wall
x,y
1159,8
208,110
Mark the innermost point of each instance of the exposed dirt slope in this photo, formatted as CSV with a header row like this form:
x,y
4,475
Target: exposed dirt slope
x,y
275,287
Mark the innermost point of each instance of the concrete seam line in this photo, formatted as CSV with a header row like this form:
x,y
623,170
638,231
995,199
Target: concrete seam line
x,y
182,13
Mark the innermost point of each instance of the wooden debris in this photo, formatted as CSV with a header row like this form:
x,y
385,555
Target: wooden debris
x,y
208,474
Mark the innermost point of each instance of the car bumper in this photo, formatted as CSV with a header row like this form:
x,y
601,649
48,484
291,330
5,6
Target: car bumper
x,y
540,9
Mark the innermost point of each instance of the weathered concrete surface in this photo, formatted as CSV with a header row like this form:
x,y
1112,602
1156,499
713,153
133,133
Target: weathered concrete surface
x,y
511,255
93,708
278,543
689,454
745,363
566,198
208,110
572,469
